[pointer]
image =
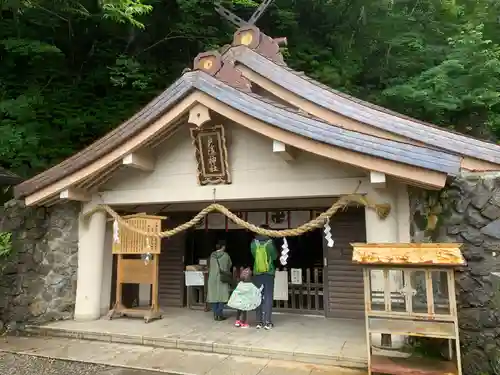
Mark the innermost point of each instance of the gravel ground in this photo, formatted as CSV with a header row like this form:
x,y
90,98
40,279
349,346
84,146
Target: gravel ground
x,y
15,364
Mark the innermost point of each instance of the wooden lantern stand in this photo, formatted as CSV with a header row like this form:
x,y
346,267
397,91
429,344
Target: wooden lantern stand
x,y
131,270
410,291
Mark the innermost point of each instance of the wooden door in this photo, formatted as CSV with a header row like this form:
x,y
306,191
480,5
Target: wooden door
x,y
343,280
171,270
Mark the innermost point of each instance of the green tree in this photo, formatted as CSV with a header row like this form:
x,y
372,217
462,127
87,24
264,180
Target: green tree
x,y
461,92
71,70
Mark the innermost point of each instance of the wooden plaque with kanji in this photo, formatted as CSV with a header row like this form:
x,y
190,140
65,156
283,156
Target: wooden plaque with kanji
x,y
211,155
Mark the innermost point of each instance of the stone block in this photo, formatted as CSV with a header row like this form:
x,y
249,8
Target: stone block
x,y
457,229
476,362
473,236
495,277
476,319
473,253
491,211
462,205
475,218
492,229
480,196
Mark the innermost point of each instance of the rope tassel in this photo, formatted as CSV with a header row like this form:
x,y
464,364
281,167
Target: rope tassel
x,y
116,232
328,234
284,252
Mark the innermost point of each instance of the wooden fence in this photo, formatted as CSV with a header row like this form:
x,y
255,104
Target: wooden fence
x,y
307,297
304,298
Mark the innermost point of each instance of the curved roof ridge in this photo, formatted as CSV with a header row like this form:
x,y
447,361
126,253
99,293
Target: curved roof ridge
x,y
308,115
344,104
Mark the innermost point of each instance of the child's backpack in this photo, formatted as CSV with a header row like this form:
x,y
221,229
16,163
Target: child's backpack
x,y
261,257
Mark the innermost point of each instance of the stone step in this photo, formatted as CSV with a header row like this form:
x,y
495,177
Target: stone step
x,y
169,361
343,361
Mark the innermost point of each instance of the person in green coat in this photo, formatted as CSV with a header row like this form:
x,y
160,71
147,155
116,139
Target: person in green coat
x,y
218,292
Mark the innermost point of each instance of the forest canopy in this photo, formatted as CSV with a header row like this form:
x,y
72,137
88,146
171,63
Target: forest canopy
x,y
71,70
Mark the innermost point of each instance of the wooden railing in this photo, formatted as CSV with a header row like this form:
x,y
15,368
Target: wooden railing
x,y
307,297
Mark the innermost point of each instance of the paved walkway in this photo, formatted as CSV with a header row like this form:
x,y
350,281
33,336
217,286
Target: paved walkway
x,y
338,342
170,361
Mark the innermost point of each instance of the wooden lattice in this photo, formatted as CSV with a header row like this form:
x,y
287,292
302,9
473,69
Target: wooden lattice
x,y
134,243
409,290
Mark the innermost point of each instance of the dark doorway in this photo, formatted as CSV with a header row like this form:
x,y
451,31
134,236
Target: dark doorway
x,y
201,243
306,253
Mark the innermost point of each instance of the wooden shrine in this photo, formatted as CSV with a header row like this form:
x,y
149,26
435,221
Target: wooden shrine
x,y
410,291
137,263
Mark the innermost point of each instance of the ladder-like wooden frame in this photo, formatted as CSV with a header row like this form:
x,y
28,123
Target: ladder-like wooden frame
x,y
136,270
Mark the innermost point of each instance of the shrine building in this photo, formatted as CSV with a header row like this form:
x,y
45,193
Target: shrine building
x,y
274,146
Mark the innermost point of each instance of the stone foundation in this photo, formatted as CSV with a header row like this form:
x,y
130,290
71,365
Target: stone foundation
x,y
468,211
38,280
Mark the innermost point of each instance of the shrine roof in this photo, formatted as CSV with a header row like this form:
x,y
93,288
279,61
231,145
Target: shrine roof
x,y
8,178
360,110
264,109
411,254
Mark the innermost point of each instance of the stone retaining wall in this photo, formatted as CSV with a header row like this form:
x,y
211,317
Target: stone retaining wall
x,y
38,281
469,212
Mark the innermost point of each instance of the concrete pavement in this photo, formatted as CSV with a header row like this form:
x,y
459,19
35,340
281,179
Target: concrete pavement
x,y
170,361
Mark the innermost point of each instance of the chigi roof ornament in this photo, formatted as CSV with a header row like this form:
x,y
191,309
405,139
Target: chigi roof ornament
x,y
249,35
237,21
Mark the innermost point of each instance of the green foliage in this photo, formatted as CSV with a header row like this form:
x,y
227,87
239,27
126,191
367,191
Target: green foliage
x,y
27,48
465,83
128,72
5,244
71,70
125,11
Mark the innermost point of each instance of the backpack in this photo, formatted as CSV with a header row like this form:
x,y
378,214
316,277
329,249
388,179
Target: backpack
x,y
261,257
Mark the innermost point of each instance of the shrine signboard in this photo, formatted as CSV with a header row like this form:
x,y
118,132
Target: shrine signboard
x,y
211,155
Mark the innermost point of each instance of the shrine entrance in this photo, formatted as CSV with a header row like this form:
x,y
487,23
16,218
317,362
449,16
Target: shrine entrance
x,y
304,270
320,280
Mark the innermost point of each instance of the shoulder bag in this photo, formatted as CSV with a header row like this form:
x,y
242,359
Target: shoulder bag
x,y
225,277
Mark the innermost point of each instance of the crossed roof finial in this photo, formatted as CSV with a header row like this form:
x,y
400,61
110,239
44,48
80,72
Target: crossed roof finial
x,y
239,22
215,64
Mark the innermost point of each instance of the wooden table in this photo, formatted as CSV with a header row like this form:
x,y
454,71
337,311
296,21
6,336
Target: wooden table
x,y
201,291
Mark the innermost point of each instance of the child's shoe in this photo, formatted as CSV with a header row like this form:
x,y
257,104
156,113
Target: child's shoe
x,y
237,323
245,325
